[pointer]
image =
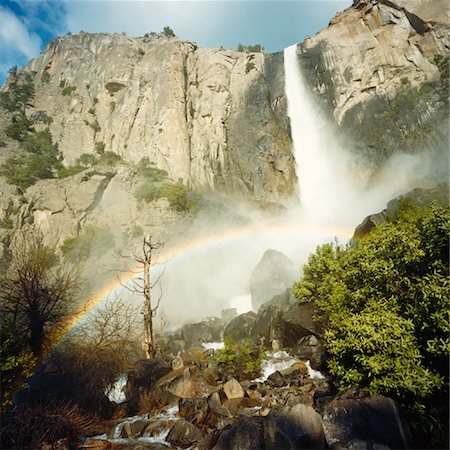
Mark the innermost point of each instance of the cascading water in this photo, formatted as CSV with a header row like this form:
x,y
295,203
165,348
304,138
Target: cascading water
x,y
321,166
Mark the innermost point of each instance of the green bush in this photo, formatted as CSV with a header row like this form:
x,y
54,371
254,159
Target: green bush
x,y
167,31
95,126
68,90
41,160
45,77
149,171
17,364
240,360
385,304
92,240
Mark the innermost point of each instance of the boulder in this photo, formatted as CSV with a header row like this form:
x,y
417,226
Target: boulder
x,y
208,330
245,433
233,389
283,323
187,382
194,410
356,418
143,378
310,348
131,430
273,274
183,434
296,427
240,328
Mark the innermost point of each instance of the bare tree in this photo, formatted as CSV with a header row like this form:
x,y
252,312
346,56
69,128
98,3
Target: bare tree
x,y
143,284
37,292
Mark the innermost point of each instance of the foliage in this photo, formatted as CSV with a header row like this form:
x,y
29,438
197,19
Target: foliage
x,y
241,360
256,48
386,305
147,169
95,126
68,90
93,239
41,159
16,363
20,93
249,66
167,31
37,292
180,197
34,425
45,77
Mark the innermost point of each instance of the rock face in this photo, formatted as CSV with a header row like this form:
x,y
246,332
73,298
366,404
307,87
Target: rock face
x,y
440,194
273,274
214,118
379,71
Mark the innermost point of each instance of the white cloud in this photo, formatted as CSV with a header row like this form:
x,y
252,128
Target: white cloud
x,y
15,37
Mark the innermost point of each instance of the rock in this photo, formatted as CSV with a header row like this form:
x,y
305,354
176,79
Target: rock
x,y
208,330
183,434
143,379
131,430
211,123
233,389
355,68
245,433
188,382
156,399
287,324
310,348
194,410
240,328
421,197
273,275
177,363
354,417
297,427
157,427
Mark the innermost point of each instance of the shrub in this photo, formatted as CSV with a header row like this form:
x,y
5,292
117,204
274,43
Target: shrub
x,y
149,171
249,66
167,31
240,360
45,77
93,240
95,126
68,90
385,302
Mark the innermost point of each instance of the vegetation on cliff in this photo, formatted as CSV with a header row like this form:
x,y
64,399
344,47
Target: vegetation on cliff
x,y
386,306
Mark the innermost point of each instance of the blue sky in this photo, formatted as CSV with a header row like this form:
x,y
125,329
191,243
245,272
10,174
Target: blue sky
x,y
27,25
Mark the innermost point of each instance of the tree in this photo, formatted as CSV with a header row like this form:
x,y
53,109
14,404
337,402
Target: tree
x,y
168,32
37,292
143,285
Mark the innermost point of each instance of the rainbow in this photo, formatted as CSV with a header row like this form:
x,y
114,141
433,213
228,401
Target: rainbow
x,y
184,248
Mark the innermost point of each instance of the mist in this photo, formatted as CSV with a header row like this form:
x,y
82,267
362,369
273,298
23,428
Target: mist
x,y
207,264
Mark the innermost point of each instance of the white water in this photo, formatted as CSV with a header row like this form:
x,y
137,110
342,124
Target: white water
x,y
117,394
281,360
333,188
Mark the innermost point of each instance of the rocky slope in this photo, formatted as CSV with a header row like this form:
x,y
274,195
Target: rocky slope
x,y
214,118
381,72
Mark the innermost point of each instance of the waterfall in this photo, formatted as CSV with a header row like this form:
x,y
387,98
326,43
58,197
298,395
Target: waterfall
x,y
322,167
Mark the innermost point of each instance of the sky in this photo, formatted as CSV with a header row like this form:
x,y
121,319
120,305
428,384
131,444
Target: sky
x,y
26,26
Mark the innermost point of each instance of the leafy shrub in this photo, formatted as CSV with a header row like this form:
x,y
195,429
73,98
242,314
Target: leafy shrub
x,y
149,171
20,93
45,77
41,160
240,360
95,126
68,90
19,127
16,363
386,305
167,31
93,240
249,66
